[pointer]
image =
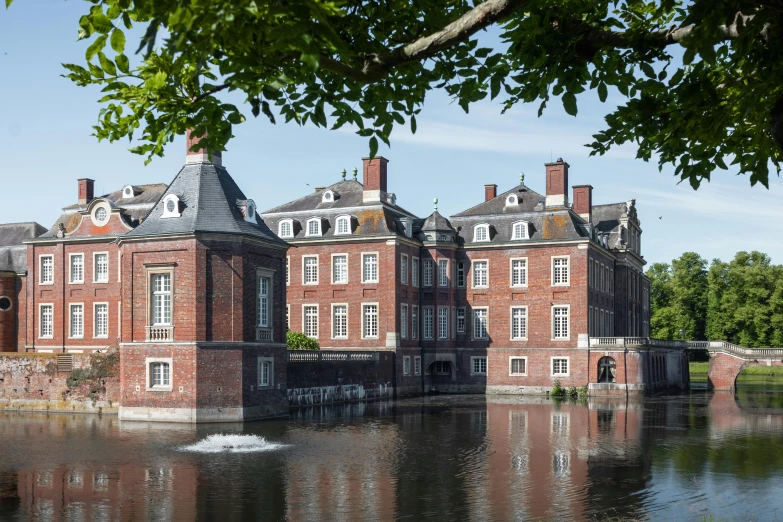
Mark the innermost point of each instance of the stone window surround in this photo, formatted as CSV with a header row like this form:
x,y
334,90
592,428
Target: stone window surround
x,y
511,322
377,268
406,365
70,321
271,383
40,320
404,269
307,227
472,273
71,281
290,223
347,268
150,270
510,366
377,320
442,272
486,364
337,226
317,270
94,214
417,365
95,320
552,366
40,269
317,319
568,270
476,228
148,362
443,335
347,321
473,321
415,276
552,322
526,228
260,274
404,321
95,268
511,272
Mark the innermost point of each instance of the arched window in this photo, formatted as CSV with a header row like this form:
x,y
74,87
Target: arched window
x,y
171,207
314,227
343,225
481,233
512,200
521,230
286,228
607,370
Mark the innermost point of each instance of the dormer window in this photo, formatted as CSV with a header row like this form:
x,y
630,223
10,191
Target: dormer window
x,y
128,192
171,207
407,224
314,227
512,200
343,225
250,211
481,233
286,228
391,199
329,196
521,230
100,214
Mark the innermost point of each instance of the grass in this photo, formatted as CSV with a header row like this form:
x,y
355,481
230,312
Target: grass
x,y
699,368
702,368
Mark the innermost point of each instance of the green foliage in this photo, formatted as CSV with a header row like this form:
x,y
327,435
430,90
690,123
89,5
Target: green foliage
x,y
559,392
678,298
557,389
699,368
102,366
698,82
299,341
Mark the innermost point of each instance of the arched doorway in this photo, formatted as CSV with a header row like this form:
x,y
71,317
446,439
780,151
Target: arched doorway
x,y
607,370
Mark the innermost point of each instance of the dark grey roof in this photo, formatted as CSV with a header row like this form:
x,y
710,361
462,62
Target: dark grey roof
x,y
543,225
16,233
436,223
13,258
347,194
528,201
209,198
606,220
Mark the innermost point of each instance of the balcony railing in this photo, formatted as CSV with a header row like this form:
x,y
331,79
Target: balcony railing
x,y
158,334
635,342
264,335
331,356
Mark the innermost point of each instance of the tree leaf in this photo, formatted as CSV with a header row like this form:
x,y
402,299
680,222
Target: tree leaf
x,y
569,103
602,92
122,63
94,47
107,65
373,146
413,124
118,41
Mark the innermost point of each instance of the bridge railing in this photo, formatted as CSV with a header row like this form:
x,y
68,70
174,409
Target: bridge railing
x,y
636,342
296,356
735,349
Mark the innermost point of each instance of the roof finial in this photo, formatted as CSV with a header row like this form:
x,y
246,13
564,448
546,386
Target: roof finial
x,y
355,173
435,201
521,178
343,174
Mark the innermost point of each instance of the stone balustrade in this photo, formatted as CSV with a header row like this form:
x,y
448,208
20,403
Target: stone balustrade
x,y
159,334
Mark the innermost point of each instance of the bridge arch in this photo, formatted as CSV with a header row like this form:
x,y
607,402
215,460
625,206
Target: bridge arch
x,y
728,361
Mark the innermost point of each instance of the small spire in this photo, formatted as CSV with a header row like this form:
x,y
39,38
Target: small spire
x,y
355,173
343,174
521,178
435,201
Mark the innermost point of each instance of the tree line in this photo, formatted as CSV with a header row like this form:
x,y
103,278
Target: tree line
x,y
740,301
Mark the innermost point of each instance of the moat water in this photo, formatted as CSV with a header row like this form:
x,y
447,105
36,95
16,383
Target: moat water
x,y
678,458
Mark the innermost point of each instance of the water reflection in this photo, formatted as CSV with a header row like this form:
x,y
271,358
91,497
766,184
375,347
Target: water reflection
x,y
425,459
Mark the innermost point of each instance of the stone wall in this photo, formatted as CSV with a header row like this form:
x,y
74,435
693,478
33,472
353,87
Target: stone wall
x,y
33,382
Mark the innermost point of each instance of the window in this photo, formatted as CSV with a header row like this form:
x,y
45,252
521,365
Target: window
x,y
590,273
560,271
406,365
559,366
77,268
310,271
480,320
266,372
603,279
428,334
441,368
404,321
370,321
171,207
443,272
343,225
288,316
611,280
478,365
520,230
481,233
77,321
314,227
101,321
414,322
601,332
264,292
517,366
310,317
443,323
369,268
428,267
46,329
417,365
415,272
47,270
519,272
286,228
339,268
288,270
404,269
461,320
560,322
161,299
101,214
101,268
480,274
519,323
159,374
461,275
340,321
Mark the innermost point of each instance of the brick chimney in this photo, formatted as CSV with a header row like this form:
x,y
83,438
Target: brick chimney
x,y
375,177
490,192
583,201
557,183
201,155
86,190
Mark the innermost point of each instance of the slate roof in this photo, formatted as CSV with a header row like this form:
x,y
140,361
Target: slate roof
x,y
209,198
606,220
528,201
437,223
13,254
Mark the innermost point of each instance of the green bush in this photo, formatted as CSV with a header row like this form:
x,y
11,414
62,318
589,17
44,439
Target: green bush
x,y
558,390
299,341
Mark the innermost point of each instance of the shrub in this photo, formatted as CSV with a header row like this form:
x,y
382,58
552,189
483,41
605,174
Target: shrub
x,y
558,390
299,341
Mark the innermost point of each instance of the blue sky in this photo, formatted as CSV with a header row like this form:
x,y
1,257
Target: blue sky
x,y
45,145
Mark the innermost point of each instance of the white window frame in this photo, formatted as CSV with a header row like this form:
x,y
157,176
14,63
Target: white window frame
x,y
443,333
377,267
461,271
404,321
317,319
476,358
464,319
334,323
159,360
290,223
474,322
335,282
404,269
485,228
567,267
41,306
151,273
424,314
525,228
473,273
70,321
414,321
95,267
260,275
342,219
307,228
428,273
41,270
406,365
511,272
317,269
552,366
271,375
511,366
443,274
415,272
568,323
170,213
71,280
288,270
417,365
377,334
511,322
95,334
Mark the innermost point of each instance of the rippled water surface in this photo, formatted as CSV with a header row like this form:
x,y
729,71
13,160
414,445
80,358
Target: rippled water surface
x,y
436,458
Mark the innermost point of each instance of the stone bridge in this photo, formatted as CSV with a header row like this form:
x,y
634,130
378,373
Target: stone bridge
x,y
727,361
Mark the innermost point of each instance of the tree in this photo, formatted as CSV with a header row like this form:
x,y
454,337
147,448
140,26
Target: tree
x,y
678,298
299,341
701,79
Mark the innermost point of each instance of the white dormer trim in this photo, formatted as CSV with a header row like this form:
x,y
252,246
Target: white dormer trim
x,y
315,231
338,222
478,235
171,207
512,200
290,223
520,230
250,211
94,214
391,199
328,196
128,192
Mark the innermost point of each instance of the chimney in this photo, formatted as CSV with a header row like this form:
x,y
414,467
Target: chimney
x,y
583,202
201,155
490,192
374,178
86,190
557,183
